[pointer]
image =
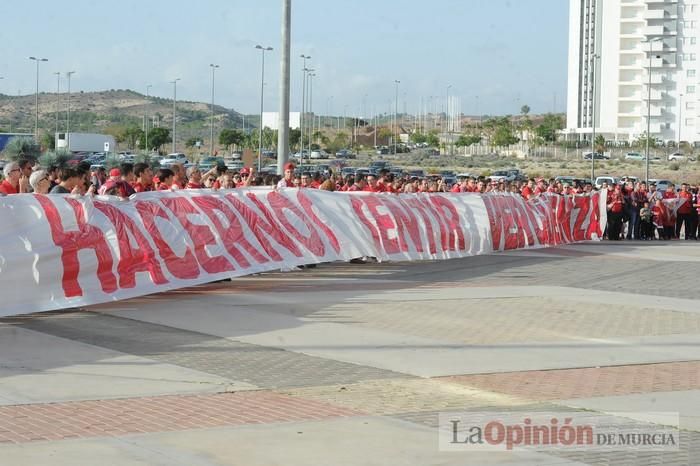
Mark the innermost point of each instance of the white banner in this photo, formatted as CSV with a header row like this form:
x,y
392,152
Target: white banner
x,y
63,251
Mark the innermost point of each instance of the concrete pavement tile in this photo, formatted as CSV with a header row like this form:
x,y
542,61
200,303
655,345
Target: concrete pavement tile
x,y
40,368
687,403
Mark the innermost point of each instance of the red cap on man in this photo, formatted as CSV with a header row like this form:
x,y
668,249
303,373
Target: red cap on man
x,y
289,166
245,171
115,172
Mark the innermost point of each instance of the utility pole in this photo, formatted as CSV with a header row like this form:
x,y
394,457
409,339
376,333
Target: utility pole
x,y
148,88
174,83
58,98
68,75
283,132
211,134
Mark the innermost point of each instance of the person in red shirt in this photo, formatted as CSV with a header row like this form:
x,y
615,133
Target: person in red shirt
x,y
372,185
144,178
529,189
165,179
288,180
305,181
616,205
12,183
683,217
670,192
359,184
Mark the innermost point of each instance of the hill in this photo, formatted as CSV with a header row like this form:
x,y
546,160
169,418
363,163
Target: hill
x,y
98,111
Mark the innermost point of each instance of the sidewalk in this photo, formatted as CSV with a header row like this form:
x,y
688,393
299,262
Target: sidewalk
x,y
350,364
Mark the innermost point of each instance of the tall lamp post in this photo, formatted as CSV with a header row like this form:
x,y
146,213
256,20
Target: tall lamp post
x,y
148,99
285,60
58,97
262,99
311,76
36,96
447,121
396,113
651,55
680,120
68,75
211,134
593,109
174,83
303,108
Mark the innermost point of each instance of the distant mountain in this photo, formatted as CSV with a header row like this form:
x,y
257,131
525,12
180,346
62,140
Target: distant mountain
x,y
96,111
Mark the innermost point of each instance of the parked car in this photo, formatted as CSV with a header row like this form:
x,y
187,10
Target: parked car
x,y
635,156
678,157
207,163
661,185
596,156
610,180
173,158
345,154
502,175
319,154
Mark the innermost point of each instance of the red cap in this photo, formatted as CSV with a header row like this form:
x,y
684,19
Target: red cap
x,y
289,166
245,171
115,172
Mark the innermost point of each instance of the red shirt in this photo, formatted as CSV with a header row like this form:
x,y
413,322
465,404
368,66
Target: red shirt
x,y
193,185
375,189
140,188
7,188
615,198
687,206
456,189
354,188
669,195
526,192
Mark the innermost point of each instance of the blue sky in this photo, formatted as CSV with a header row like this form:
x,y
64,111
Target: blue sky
x,y
506,52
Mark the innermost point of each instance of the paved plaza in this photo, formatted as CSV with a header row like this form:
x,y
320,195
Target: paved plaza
x,y
350,364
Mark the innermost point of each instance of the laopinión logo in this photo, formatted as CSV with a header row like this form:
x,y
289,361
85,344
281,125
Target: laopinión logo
x,y
506,431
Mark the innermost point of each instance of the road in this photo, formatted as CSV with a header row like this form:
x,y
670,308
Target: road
x,y
351,363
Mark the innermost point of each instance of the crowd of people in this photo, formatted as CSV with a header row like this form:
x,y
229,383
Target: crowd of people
x,y
635,210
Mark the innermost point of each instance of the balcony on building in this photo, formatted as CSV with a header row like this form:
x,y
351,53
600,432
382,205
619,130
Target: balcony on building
x,y
660,30
667,13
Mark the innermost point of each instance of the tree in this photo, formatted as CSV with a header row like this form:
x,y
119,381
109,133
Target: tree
x,y
231,137
48,141
432,139
503,136
191,142
466,140
294,137
549,127
157,137
419,138
525,109
131,136
599,143
23,148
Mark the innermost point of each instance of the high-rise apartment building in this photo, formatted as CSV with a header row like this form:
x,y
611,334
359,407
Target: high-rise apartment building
x,y
633,65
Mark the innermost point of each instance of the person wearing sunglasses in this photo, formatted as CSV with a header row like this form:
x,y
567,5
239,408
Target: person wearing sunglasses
x,y
40,182
12,183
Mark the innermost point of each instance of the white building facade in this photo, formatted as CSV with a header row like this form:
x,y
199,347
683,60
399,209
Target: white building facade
x,y
633,65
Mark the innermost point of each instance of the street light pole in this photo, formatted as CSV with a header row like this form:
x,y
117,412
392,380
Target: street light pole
x,y
58,97
396,114
148,88
211,132
262,99
680,119
311,108
174,83
303,108
36,96
651,55
285,60
447,121
593,109
68,75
